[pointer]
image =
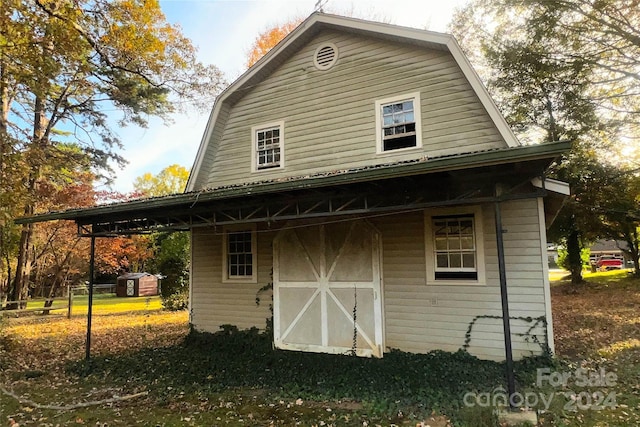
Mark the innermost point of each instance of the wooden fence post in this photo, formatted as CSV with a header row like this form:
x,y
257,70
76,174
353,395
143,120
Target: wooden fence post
x,y
70,302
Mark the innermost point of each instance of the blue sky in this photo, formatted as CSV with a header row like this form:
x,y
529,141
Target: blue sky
x,y
223,31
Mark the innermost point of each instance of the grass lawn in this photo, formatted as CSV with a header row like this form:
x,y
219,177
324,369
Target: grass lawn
x,y
236,378
103,304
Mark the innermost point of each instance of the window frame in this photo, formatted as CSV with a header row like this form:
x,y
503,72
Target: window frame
x,y
227,230
417,114
255,166
430,248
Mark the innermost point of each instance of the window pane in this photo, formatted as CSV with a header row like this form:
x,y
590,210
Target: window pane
x,y
468,260
441,244
407,105
387,109
455,260
442,261
439,227
408,117
454,243
453,227
466,242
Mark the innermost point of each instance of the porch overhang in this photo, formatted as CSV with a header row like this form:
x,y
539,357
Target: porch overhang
x,y
453,180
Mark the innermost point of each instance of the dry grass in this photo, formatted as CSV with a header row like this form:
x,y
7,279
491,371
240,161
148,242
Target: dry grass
x,y
596,325
596,317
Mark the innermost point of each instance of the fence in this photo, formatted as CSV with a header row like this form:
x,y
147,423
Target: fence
x,y
71,291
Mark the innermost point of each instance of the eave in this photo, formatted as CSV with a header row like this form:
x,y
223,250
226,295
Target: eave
x,y
189,210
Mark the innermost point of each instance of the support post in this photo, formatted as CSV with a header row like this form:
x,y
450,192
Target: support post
x,y
92,259
506,324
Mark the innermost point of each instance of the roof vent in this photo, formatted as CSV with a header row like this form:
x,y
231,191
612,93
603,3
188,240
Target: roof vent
x,y
325,56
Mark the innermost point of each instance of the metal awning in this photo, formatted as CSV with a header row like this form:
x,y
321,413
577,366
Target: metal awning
x,y
490,176
452,180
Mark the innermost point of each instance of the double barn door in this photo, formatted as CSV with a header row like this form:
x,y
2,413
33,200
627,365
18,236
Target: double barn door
x,y
323,275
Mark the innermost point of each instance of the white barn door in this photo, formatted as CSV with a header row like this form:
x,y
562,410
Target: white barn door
x,y
322,275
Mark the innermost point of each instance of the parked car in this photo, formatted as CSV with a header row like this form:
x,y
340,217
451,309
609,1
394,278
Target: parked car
x,y
609,263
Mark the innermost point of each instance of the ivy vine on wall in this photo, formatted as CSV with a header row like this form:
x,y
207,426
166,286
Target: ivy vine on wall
x,y
528,335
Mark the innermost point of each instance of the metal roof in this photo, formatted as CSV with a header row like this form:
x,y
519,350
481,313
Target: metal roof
x,y
456,179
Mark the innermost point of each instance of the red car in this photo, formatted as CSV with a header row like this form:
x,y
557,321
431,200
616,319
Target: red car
x,y
609,263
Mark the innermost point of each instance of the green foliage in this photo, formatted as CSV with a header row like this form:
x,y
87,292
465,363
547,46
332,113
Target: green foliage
x,y
415,384
563,255
528,335
171,260
170,180
565,70
171,250
66,68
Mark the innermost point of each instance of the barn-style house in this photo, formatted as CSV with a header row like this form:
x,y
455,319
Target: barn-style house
x,y
362,172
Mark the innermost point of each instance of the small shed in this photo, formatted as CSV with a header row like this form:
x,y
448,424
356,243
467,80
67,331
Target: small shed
x,y
137,285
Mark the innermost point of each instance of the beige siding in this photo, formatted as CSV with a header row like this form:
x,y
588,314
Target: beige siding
x,y
419,316
329,115
422,316
215,303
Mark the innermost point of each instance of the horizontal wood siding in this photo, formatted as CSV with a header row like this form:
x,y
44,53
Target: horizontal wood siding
x,y
329,116
419,316
215,303
422,316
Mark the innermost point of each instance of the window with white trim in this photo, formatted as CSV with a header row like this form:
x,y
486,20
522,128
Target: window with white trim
x,y
268,146
454,246
398,123
239,255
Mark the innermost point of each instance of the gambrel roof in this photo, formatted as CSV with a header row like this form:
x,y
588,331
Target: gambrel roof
x,y
308,29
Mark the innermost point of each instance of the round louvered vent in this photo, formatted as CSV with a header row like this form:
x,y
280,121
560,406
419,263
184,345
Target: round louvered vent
x,y
325,56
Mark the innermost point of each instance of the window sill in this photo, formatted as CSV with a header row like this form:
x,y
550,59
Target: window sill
x,y
248,280
454,282
399,150
273,169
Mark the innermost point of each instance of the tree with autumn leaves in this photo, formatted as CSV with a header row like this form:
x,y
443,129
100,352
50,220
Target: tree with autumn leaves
x,y
63,67
568,70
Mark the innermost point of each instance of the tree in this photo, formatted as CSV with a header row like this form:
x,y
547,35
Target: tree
x,y
267,39
171,250
619,217
546,95
171,260
63,66
170,180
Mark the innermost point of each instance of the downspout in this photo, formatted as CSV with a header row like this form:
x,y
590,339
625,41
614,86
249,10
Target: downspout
x,y
92,259
506,324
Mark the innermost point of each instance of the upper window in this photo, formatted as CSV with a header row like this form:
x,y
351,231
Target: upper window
x,y
268,146
398,123
454,246
239,255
